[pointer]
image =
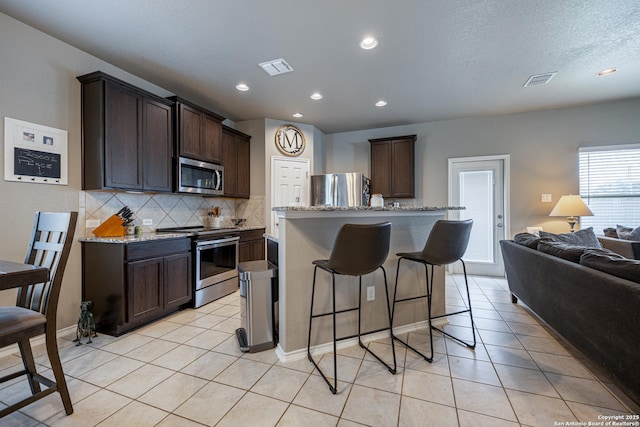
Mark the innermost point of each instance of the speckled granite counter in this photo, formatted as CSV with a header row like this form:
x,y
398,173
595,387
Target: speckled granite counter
x,y
365,208
144,237
359,212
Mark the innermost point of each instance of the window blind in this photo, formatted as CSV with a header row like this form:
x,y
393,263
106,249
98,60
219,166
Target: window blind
x,y
610,185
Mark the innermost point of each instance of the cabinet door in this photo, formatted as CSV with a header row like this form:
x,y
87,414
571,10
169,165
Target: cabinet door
x,y
156,146
243,168
144,290
402,179
212,139
177,275
190,131
123,143
230,163
381,168
252,250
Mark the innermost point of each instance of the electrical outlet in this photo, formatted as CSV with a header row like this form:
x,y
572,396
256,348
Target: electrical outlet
x,y
147,221
92,223
371,293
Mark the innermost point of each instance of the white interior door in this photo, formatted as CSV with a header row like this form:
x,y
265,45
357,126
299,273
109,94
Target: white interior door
x,y
290,185
480,185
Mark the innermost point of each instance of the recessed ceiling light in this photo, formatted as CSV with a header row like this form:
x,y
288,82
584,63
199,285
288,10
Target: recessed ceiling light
x,y
298,115
368,43
607,71
381,103
242,87
316,96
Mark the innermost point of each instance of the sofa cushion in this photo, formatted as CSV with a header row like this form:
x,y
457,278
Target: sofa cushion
x,y
612,263
610,232
529,240
562,250
628,233
584,237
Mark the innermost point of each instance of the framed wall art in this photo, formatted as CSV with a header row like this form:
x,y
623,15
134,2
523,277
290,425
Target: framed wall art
x,y
290,140
35,153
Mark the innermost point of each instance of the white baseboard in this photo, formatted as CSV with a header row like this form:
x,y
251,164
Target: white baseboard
x,y
328,347
13,349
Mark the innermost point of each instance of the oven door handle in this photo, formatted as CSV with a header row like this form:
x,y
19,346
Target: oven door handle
x,y
217,242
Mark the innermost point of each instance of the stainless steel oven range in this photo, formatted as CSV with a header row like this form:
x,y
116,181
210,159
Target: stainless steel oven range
x,y
215,262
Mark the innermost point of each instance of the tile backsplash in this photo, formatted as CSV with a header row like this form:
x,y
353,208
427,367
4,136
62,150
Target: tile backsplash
x,y
167,210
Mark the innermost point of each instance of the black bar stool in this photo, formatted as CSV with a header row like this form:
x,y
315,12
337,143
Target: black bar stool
x,y
358,250
446,244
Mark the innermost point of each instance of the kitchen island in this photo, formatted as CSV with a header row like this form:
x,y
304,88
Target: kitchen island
x,y
308,233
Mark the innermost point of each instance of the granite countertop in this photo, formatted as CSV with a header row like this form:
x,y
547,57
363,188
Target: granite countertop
x,y
364,208
145,237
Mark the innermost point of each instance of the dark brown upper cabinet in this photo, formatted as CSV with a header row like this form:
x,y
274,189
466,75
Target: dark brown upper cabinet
x,y
392,166
236,162
198,132
127,136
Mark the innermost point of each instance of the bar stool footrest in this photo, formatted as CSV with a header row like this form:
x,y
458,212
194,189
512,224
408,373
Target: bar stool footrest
x,y
428,359
471,346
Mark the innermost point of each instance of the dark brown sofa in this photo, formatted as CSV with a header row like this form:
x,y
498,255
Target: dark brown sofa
x,y
595,311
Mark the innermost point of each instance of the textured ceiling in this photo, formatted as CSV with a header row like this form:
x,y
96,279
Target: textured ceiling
x,y
436,59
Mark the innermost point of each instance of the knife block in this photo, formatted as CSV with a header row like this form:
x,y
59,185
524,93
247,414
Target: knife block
x,y
112,227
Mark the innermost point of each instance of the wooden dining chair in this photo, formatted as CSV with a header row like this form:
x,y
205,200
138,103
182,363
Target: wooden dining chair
x,y
35,311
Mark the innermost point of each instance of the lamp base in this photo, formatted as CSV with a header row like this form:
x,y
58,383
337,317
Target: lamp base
x,y
572,223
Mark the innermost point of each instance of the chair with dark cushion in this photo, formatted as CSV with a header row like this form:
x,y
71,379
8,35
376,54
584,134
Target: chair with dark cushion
x,y
359,249
36,307
446,244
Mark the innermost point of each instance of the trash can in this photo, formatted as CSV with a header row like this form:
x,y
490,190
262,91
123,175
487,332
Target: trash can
x,y
258,295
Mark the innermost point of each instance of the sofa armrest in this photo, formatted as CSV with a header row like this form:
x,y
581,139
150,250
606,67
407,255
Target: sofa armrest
x,y
627,248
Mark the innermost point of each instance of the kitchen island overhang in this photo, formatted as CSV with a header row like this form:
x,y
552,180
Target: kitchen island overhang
x,y
308,233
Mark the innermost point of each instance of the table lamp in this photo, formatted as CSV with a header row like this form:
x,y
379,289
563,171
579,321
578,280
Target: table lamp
x,y
571,206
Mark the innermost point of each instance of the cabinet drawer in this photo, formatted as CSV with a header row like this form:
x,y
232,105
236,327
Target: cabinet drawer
x,y
251,235
156,248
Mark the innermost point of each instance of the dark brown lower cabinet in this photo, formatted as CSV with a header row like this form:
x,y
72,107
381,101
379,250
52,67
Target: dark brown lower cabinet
x,y
135,283
252,245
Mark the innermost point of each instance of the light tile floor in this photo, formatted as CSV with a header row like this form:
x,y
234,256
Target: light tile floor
x,y
187,370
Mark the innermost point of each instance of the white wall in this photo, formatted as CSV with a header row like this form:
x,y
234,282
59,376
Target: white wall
x,y
38,81
543,146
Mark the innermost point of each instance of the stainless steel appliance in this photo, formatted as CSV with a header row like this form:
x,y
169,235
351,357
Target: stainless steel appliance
x,y
215,261
340,189
198,177
258,313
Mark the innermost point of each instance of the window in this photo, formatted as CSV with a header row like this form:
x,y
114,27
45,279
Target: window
x,y
610,185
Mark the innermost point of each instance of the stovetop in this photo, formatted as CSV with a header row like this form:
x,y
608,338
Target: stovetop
x,y
196,230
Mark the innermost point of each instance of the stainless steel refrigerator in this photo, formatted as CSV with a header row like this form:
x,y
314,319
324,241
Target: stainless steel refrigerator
x,y
340,189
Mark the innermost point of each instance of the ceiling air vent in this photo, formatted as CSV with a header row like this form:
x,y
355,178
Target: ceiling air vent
x,y
276,66
540,79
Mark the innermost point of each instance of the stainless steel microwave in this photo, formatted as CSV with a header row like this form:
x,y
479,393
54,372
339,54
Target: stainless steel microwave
x,y
199,177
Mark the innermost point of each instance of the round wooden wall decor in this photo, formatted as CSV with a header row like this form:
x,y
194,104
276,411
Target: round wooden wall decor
x,y
290,140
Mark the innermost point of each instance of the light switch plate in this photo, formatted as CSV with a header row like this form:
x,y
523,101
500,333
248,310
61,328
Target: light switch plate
x,y
371,293
147,221
545,198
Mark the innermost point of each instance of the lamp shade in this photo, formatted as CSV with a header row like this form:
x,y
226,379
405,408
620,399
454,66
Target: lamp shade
x,y
571,205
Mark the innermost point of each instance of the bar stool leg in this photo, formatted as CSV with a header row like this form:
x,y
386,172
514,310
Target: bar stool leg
x,y
393,349
428,298
333,388
473,330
